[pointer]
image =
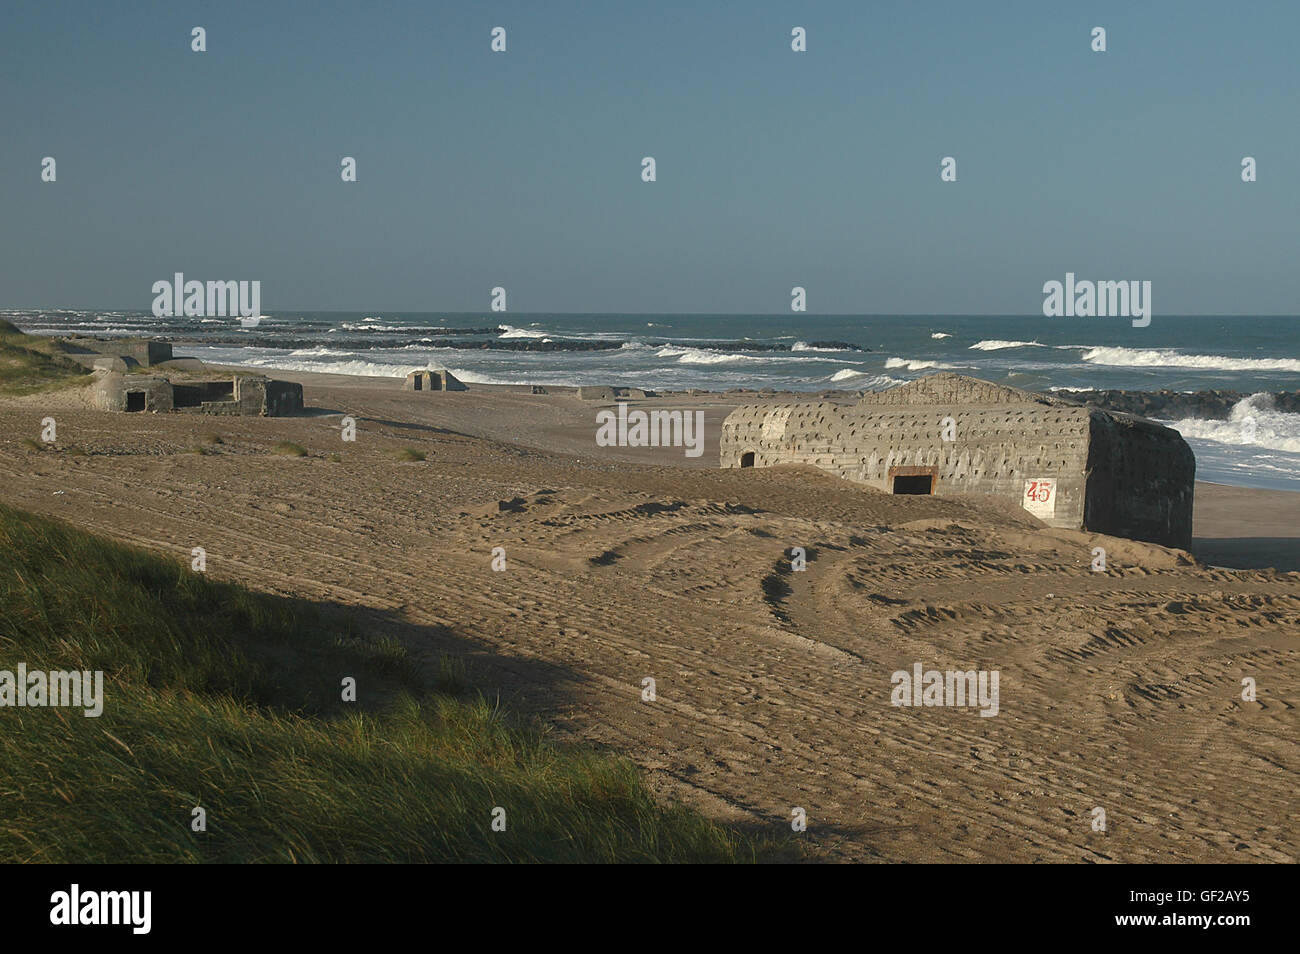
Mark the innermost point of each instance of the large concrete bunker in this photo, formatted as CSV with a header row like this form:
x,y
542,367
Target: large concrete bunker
x,y
1068,464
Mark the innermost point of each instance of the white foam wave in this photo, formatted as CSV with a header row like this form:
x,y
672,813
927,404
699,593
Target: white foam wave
x,y
1253,422
997,344
697,356
864,380
940,334
362,326
373,369
320,351
1165,358
914,365
805,346
512,332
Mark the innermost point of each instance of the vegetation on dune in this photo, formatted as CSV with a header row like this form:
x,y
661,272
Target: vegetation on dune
x,y
31,363
222,698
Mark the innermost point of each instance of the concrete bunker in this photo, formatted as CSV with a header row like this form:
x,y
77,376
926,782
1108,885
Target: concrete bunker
x,y
1068,464
246,394
432,379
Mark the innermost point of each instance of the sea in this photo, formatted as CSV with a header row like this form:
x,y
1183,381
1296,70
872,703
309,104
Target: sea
x,y
1258,446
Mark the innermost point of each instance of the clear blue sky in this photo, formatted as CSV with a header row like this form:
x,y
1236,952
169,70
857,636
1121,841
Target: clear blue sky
x,y
775,168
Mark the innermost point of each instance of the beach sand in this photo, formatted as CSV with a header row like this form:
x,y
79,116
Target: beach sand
x,y
1119,690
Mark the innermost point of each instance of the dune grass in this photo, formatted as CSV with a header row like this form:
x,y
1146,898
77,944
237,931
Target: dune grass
x,y
410,454
222,698
30,364
289,449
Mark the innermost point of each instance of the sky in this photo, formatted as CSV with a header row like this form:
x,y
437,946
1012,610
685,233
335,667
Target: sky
x,y
775,168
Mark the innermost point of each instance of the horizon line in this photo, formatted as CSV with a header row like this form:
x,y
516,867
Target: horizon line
x,y
672,314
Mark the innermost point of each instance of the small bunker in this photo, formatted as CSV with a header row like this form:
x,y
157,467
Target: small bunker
x,y
431,379
247,394
604,392
133,351
1068,464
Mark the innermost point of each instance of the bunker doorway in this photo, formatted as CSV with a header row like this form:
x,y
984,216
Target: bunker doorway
x,y
135,400
417,384
747,459
913,480
912,485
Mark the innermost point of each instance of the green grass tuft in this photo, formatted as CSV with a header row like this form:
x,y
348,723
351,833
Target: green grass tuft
x,y
410,454
289,449
220,697
30,364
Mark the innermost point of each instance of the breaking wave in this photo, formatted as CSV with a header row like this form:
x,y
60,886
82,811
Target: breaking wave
x,y
912,365
1252,422
698,356
1164,358
512,332
995,344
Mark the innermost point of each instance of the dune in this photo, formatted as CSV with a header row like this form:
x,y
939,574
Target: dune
x,y
1120,690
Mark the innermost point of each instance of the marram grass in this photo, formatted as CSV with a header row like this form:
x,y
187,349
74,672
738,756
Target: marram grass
x,y
222,698
30,364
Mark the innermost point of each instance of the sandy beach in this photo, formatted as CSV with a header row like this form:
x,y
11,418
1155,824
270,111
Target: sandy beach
x,y
1119,689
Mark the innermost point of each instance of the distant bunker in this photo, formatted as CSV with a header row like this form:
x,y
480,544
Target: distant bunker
x,y
1070,465
246,394
129,352
432,380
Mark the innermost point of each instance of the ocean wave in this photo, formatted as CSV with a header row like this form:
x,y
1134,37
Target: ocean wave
x,y
1252,422
915,365
1164,358
372,369
940,334
805,346
320,351
996,344
362,326
864,380
477,377
512,332
697,356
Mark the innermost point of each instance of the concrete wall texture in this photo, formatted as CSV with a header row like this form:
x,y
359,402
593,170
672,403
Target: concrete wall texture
x,y
1071,466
